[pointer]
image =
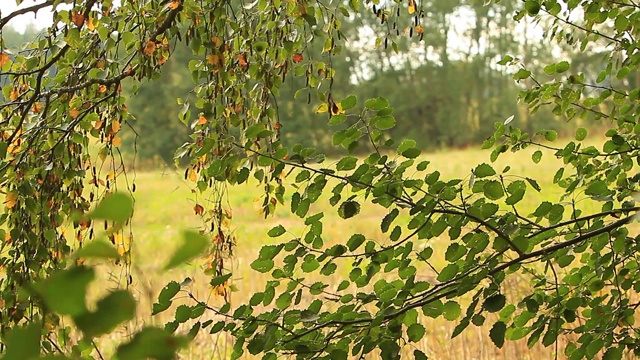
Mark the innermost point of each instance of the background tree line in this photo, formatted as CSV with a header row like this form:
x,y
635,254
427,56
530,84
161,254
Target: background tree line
x,y
447,88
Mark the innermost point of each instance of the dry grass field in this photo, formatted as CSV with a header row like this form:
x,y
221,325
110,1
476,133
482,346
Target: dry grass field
x,y
164,204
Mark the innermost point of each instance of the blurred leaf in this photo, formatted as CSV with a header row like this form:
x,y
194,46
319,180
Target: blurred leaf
x,y
117,207
64,292
151,343
193,246
23,342
98,249
114,309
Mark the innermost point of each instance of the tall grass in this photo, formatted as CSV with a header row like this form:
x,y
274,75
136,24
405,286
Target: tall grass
x,y
164,207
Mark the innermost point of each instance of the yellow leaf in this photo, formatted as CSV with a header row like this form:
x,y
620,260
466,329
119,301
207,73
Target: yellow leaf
x,y
412,6
193,176
323,108
116,141
11,199
91,24
336,109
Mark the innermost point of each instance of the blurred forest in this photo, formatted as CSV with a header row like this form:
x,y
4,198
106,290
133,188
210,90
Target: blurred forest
x,y
447,89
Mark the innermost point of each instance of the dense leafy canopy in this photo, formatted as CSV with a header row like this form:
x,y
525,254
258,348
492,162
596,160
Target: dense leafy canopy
x,y
61,122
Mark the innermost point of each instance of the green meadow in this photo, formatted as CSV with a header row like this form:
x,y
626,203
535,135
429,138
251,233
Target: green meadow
x,y
164,207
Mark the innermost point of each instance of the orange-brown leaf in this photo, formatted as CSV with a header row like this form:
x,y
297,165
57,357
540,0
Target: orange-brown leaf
x,y
77,19
149,48
174,4
202,120
14,94
242,60
115,126
297,58
4,59
116,141
74,113
199,209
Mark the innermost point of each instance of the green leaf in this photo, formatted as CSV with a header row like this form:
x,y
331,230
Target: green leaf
x,y
349,102
151,343
550,135
262,266
415,332
385,122
276,231
449,272
614,353
497,333
452,310
532,7
349,209
23,342
484,170
347,163
219,280
117,207
411,153
98,249
537,155
562,67
355,241
193,246
494,303
581,134
114,309
522,74
534,184
493,190
65,291
597,188
378,103
621,23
